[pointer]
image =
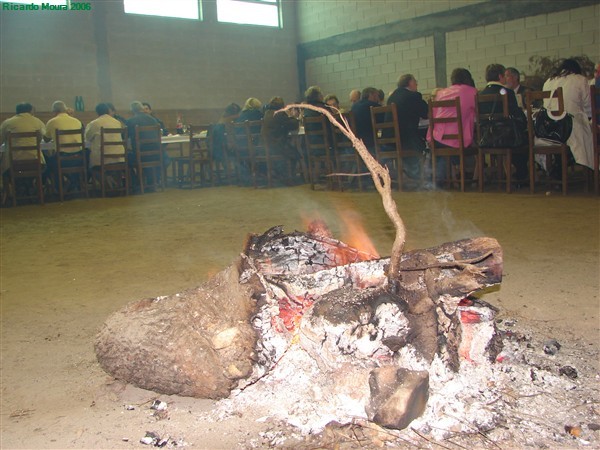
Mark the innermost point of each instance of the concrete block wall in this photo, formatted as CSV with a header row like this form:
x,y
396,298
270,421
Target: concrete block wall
x,y
321,19
378,67
46,56
559,35
570,32
171,63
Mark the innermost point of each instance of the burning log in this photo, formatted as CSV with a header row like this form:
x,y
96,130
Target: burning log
x,y
306,305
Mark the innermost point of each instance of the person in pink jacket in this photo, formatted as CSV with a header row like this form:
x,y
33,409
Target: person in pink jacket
x,y
463,87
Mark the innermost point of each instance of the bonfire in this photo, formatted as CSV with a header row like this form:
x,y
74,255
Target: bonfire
x,y
321,332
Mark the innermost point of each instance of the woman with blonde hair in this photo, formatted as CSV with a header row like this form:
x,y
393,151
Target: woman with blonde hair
x,y
252,110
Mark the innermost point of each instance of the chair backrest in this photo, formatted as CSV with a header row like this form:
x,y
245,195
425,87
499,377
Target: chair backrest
x,y
148,139
489,107
24,148
456,118
238,137
69,141
386,131
594,93
340,141
317,134
113,145
531,97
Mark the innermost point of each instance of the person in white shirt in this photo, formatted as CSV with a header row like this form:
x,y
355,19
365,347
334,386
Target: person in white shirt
x,y
92,135
576,95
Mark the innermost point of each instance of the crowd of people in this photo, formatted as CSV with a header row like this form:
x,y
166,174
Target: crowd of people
x,y
409,103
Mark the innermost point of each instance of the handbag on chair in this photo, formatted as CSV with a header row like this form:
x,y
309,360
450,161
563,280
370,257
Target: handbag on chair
x,y
501,132
551,127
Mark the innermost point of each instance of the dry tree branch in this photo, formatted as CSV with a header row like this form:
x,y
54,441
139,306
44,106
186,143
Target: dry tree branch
x,y
383,184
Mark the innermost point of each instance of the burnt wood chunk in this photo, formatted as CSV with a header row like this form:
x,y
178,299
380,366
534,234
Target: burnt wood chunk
x,y
196,343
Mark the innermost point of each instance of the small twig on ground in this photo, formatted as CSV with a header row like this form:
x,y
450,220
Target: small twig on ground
x,y
429,440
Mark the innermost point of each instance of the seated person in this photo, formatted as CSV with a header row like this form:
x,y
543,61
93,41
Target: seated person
x,y
22,122
148,110
219,133
113,113
252,110
513,81
140,118
92,135
495,75
276,130
314,96
411,108
332,101
462,87
362,116
62,121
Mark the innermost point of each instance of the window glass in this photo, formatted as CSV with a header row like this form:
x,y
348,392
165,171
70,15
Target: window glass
x,y
250,12
184,9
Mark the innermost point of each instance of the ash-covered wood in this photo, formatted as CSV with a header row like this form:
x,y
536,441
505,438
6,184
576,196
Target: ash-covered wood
x,y
276,253
311,301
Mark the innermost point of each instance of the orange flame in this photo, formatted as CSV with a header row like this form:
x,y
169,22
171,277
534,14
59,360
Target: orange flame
x,y
355,235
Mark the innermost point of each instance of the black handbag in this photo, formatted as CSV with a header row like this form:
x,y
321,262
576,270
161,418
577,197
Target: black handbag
x,y
551,127
501,132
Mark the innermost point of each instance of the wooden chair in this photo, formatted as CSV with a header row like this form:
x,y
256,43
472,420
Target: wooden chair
x,y
595,136
388,145
71,161
238,139
197,165
548,150
274,161
318,148
500,157
461,151
347,159
149,157
113,160
223,164
25,161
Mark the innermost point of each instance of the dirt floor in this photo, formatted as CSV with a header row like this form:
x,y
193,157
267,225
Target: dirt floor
x,y
66,267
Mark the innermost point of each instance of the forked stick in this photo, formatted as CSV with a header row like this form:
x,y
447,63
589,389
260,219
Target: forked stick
x,y
383,184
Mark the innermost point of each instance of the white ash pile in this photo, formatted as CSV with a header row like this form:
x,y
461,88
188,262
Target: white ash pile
x,y
334,345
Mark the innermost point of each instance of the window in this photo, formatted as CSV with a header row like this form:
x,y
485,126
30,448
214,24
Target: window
x,y
250,12
184,9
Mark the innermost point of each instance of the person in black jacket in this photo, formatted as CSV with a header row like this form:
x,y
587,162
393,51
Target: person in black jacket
x,y
411,108
362,116
495,75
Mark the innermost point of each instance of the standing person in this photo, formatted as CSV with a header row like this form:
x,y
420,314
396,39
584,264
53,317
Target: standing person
x,y
362,116
62,121
92,135
495,75
148,110
22,122
576,95
411,108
